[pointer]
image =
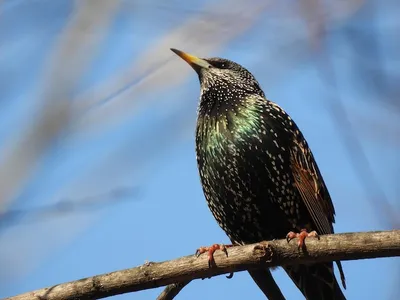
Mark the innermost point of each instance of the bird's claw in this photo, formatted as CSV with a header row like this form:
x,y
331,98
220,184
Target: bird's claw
x,y
211,251
301,236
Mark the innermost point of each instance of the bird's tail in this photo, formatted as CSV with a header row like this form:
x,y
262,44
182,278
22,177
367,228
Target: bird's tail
x,y
316,281
263,278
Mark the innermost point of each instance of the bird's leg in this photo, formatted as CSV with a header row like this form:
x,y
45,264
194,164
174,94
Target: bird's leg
x,y
211,251
302,236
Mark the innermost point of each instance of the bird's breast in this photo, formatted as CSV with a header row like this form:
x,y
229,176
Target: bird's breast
x,y
243,171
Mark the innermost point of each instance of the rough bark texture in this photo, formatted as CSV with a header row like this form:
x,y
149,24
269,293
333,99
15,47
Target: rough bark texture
x,y
347,246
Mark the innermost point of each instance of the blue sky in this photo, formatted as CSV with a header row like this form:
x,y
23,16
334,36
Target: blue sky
x,y
132,114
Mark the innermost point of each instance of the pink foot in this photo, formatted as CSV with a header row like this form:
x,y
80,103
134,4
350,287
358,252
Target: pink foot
x,y
211,251
302,236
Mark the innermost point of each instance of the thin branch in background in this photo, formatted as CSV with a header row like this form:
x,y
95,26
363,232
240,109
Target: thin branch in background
x,y
368,64
67,206
318,15
71,56
153,67
333,247
311,13
379,130
375,194
149,150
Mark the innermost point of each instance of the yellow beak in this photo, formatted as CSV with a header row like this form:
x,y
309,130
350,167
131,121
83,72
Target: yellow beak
x,y
195,62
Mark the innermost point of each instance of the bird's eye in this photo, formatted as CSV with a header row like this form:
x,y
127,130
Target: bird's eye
x,y
220,65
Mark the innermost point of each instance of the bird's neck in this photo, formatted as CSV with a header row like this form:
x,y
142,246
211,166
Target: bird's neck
x,y
223,122
217,101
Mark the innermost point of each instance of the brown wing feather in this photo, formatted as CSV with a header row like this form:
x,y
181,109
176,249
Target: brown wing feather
x,y
313,191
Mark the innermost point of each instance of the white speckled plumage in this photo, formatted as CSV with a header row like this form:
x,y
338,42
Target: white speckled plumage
x,y
258,174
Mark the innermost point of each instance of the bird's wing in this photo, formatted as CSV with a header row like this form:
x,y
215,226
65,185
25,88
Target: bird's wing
x,y
307,176
313,191
315,195
311,186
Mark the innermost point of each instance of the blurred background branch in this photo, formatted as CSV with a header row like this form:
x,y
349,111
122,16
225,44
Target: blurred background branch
x,y
69,59
66,206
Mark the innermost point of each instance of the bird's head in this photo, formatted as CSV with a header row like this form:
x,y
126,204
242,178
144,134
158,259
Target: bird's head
x,y
222,75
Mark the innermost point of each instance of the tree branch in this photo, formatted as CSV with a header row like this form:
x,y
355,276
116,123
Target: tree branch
x,y
172,290
347,246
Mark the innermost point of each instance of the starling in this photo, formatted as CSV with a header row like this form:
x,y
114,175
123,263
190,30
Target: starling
x,y
258,174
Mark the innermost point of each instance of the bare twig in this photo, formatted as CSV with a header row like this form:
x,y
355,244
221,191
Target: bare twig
x,y
348,246
172,290
64,206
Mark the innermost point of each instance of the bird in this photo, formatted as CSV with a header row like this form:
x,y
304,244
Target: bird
x,y
258,174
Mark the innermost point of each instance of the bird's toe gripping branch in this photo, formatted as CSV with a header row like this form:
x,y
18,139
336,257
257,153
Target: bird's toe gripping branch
x,y
301,236
211,251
